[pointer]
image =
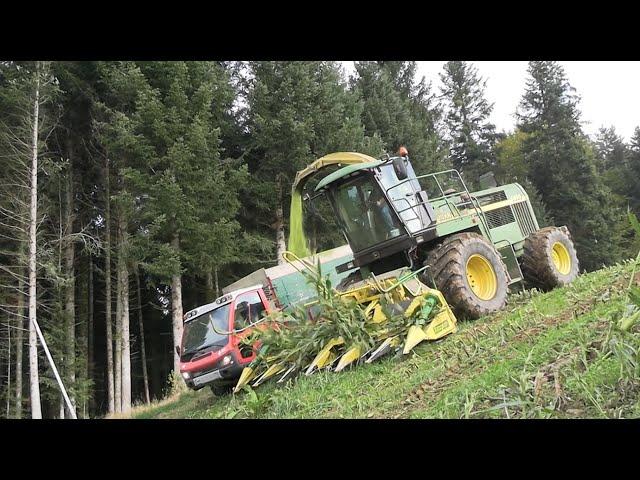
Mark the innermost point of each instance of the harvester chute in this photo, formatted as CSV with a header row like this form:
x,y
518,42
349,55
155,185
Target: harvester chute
x,y
297,239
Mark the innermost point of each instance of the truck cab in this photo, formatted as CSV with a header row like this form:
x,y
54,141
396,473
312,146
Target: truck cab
x,y
211,350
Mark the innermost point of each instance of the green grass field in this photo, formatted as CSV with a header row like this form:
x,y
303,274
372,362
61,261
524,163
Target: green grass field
x,y
553,355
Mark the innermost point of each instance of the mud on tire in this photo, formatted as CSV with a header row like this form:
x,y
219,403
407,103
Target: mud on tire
x,y
447,266
539,268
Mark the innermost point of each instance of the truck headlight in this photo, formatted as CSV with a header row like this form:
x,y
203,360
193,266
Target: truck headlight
x,y
186,375
226,360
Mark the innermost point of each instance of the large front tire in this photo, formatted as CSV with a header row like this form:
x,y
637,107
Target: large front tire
x,y
549,259
470,273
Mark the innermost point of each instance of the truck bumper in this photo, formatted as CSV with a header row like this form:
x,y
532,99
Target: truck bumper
x,y
223,376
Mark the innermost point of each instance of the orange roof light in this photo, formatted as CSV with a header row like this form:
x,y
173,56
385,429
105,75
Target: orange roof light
x,y
402,151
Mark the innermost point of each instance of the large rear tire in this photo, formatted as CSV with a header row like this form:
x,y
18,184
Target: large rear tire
x,y
549,259
470,273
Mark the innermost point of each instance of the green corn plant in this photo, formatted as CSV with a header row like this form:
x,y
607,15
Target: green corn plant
x,y
632,312
294,340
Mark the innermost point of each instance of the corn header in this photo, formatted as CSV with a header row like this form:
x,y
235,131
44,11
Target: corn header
x,y
389,313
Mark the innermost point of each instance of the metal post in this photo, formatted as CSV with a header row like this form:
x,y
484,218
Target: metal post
x,y
72,411
9,369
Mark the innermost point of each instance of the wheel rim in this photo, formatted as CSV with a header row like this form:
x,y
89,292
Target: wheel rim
x,y
481,277
561,258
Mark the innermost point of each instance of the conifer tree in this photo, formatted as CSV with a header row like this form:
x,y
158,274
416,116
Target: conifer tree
x,y
401,111
470,133
634,171
562,165
187,194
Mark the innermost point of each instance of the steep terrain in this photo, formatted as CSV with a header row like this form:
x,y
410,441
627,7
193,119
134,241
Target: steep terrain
x,y
547,355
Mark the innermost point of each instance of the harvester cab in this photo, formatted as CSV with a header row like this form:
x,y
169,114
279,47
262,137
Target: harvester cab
x,y
382,210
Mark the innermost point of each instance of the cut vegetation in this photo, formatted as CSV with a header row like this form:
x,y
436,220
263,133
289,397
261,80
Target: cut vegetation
x,y
561,354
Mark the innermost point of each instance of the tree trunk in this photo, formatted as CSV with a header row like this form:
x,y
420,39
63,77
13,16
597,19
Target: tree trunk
x,y
118,335
123,274
107,279
34,385
69,300
176,309
90,335
210,292
142,346
281,245
19,342
83,344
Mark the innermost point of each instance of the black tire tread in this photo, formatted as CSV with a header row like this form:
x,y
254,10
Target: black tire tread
x,y
446,269
537,264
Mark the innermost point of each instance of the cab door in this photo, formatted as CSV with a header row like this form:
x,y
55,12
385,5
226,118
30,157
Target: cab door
x,y
248,309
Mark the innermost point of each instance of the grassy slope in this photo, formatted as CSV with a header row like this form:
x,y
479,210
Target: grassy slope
x,y
546,355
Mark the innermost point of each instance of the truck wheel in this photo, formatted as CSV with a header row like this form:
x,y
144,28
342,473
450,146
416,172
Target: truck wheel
x,y
469,272
549,259
220,390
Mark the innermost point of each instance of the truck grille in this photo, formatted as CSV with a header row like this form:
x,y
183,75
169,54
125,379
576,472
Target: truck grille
x,y
499,216
525,220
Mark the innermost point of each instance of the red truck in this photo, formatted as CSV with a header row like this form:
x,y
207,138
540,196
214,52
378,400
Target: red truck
x,y
211,351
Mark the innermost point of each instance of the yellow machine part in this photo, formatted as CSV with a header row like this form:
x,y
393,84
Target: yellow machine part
x,y
417,297
349,357
245,377
440,325
325,356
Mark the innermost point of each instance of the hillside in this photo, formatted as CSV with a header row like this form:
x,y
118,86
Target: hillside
x,y
551,355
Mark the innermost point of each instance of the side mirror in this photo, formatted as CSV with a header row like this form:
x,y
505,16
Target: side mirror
x,y
178,349
400,168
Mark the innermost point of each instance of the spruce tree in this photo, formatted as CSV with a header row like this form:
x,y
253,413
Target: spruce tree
x,y
613,165
562,165
401,111
187,197
612,151
634,171
470,133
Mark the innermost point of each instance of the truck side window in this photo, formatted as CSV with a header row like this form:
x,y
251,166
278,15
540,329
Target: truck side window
x,y
249,310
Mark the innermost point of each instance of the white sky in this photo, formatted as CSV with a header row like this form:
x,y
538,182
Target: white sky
x,y
609,91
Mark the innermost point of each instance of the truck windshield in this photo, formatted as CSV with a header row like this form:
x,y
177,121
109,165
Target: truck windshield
x,y
199,333
365,214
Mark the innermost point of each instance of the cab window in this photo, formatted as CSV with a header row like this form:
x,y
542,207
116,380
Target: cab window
x,y
249,308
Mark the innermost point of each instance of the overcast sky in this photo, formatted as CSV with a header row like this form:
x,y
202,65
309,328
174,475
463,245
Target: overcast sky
x,y
609,91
